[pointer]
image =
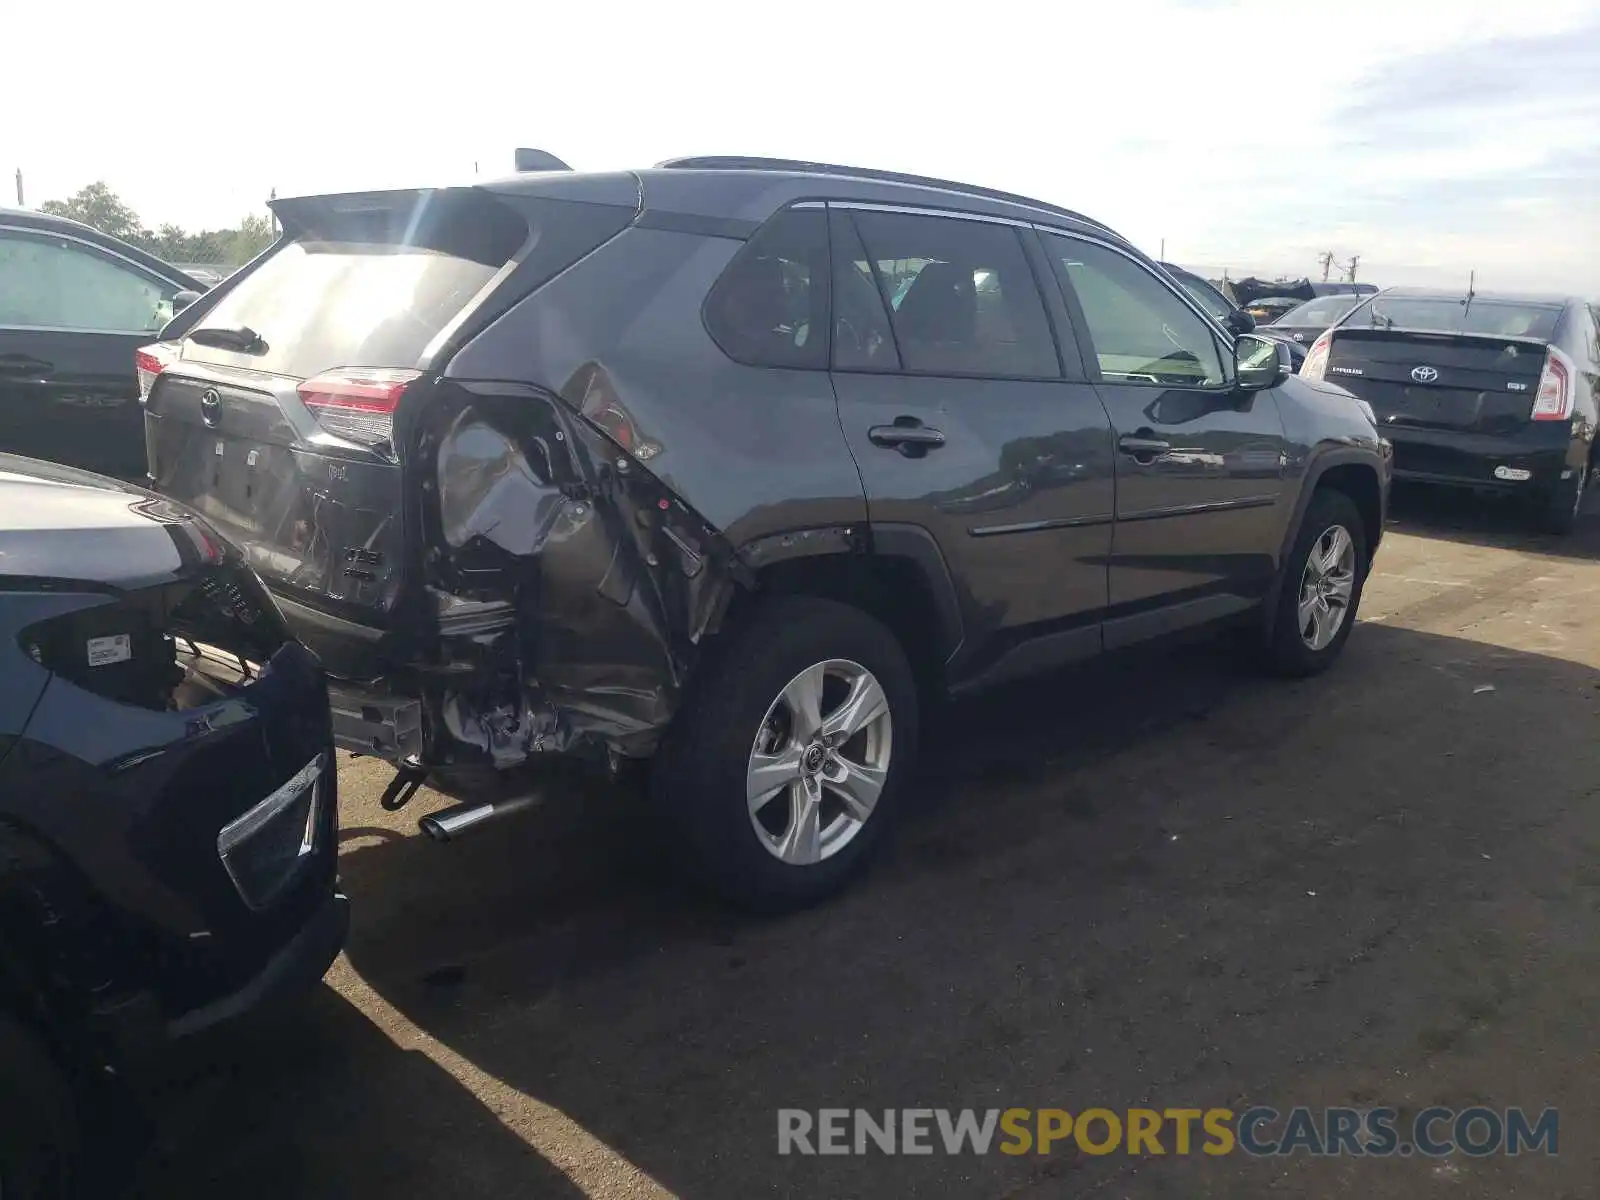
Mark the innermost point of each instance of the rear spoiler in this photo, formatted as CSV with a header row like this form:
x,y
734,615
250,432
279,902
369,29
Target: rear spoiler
x,y
529,159
1385,332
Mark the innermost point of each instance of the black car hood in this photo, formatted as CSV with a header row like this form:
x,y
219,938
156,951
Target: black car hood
x,y
60,523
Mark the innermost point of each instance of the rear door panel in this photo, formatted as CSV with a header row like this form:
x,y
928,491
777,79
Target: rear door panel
x,y
1019,494
71,397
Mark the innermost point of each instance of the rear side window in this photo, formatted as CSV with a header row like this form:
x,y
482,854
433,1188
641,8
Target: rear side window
x,y
367,286
56,283
770,307
962,299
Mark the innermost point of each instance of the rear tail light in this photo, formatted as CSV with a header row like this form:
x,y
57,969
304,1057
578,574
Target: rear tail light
x,y
357,403
1554,401
1316,363
149,361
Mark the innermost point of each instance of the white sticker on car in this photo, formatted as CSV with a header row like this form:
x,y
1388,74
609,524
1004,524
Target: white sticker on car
x,y
103,651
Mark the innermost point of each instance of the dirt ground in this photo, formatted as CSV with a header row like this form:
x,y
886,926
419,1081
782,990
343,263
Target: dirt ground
x,y
1158,881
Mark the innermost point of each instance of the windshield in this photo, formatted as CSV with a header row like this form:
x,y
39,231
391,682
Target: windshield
x,y
1504,318
1321,312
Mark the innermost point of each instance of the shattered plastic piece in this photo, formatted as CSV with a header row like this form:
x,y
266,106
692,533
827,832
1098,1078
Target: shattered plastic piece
x,y
1481,688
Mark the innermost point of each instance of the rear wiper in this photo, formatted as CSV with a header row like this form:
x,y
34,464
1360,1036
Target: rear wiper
x,y
241,338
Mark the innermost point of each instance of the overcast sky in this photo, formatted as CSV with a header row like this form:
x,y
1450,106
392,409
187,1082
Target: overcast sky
x,y
1429,136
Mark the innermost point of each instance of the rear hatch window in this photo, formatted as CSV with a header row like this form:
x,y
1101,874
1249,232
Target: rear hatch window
x,y
366,281
1498,318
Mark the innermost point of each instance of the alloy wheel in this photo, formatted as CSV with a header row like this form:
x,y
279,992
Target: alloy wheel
x,y
819,762
1326,586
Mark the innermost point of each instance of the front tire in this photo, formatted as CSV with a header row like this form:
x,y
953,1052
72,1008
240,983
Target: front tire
x,y
38,1120
1323,577
785,765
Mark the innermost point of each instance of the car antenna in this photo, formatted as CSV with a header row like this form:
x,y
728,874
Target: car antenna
x,y
1472,280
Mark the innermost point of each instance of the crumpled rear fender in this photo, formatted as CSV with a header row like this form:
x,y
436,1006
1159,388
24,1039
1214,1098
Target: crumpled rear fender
x,y
569,588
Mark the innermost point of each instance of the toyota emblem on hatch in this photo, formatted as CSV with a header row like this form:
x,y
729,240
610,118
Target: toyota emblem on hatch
x,y
211,405
1424,374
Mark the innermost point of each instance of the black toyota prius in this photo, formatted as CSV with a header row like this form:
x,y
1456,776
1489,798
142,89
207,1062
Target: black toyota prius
x,y
1482,390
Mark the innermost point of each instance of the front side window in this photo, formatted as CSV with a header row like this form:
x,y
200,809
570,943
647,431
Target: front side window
x,y
1142,332
49,282
770,307
961,296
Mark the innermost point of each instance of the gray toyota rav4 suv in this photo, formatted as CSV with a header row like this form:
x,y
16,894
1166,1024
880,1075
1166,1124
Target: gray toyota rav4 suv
x,y
734,465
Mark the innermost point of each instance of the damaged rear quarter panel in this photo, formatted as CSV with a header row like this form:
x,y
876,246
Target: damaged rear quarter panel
x,y
621,575
566,576
753,450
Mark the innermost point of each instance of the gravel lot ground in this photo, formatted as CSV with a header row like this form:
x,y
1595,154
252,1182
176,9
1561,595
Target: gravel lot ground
x,y
1160,881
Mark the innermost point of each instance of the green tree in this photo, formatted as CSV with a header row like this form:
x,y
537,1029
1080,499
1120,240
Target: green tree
x,y
99,206
250,238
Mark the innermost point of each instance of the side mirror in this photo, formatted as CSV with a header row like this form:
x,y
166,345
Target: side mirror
x,y
182,300
1260,362
1240,322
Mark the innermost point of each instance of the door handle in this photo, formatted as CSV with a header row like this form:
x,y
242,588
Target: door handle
x,y
1143,447
22,364
907,435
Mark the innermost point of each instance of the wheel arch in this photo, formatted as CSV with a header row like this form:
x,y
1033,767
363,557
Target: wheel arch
x,y
893,572
1353,472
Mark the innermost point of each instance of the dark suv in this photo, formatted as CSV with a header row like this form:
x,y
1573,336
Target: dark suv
x,y
733,464
1494,392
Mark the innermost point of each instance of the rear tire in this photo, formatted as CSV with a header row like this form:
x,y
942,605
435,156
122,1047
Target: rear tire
x,y
1559,507
39,1140
1297,646
788,848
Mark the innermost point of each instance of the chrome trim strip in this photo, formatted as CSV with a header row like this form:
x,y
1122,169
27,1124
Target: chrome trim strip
x,y
242,828
916,211
1184,510
1036,526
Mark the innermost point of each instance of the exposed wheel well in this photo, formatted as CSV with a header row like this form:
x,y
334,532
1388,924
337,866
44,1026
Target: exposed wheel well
x,y
890,588
1360,483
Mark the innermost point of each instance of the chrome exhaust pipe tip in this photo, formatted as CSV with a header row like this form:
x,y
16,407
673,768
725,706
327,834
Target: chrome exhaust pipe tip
x,y
449,824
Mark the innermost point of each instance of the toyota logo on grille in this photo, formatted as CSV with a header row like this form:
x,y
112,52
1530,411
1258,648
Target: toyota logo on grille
x,y
1424,374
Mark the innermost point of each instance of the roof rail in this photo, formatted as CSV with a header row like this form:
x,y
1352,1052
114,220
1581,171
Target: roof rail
x,y
735,162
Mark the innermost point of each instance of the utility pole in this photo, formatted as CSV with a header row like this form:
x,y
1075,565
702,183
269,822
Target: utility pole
x,y
1354,260
1163,249
20,204
1326,259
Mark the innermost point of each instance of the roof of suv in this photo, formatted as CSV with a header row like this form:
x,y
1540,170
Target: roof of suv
x,y
747,190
